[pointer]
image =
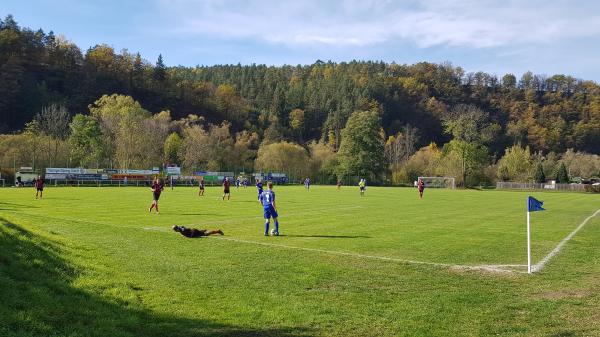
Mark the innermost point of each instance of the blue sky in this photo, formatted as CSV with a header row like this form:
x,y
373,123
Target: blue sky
x,y
546,37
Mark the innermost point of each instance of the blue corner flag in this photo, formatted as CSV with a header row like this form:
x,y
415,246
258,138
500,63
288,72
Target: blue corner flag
x,y
534,205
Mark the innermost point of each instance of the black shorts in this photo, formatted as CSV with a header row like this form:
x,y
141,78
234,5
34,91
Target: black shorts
x,y
226,191
156,196
362,188
201,188
196,233
41,189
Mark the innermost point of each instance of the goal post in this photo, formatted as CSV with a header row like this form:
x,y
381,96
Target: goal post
x,y
438,182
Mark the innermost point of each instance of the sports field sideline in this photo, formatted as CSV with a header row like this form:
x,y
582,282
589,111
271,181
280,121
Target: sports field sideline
x,y
385,264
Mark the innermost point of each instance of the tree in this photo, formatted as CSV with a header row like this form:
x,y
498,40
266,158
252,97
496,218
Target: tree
x,y
361,148
509,81
539,175
232,107
469,158
400,147
244,150
283,157
122,121
424,162
207,149
466,123
195,150
297,121
160,70
172,147
85,140
53,121
562,176
516,164
581,164
322,158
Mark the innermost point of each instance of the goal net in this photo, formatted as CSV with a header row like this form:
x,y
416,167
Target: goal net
x,y
438,182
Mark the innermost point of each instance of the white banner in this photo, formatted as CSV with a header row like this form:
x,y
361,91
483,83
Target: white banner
x,y
173,170
55,176
63,170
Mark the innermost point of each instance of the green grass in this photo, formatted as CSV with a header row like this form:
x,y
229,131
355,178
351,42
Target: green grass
x,y
94,262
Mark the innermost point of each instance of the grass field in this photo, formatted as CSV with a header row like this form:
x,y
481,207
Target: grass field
x,y
94,262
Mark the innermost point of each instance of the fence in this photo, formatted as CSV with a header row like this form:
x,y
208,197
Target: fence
x,y
503,185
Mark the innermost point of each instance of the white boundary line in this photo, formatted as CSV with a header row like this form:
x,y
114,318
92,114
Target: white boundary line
x,y
490,268
498,268
540,265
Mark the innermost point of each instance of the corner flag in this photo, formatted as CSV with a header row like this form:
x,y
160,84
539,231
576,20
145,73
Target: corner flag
x,y
534,205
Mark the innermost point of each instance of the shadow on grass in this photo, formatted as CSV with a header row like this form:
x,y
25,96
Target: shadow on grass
x,y
329,236
38,299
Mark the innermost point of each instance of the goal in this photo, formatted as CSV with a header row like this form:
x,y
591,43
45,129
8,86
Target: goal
x,y
438,182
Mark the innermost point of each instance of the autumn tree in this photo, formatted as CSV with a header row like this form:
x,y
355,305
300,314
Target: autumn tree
x,y
362,150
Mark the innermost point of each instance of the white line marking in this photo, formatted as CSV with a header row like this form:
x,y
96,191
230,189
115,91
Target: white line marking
x,y
490,268
538,266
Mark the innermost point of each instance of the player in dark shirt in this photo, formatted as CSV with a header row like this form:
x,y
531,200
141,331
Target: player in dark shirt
x,y
259,187
39,186
195,233
201,184
226,185
157,187
421,187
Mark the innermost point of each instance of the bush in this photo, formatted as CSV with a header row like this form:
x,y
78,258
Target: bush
x,y
592,188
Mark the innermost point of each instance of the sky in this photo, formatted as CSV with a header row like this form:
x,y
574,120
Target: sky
x,y
545,37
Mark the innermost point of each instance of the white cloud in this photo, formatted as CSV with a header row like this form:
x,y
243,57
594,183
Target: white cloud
x,y
351,23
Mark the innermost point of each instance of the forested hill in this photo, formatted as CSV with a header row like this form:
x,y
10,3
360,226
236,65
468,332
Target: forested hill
x,y
299,103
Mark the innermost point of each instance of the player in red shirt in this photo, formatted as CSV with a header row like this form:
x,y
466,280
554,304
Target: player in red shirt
x,y
201,184
39,186
421,187
226,185
157,187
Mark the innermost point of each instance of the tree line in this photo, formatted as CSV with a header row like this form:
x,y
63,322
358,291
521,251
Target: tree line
x,y
116,109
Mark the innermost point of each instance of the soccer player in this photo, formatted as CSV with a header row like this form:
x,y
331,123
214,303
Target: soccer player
x,y
339,184
421,187
307,183
157,187
361,185
201,184
267,199
195,233
226,185
259,187
39,187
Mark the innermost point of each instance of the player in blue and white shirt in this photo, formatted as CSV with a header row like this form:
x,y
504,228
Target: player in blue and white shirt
x,y
307,183
259,187
267,200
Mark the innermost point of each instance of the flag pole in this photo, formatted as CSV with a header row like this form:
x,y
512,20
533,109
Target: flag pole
x,y
528,244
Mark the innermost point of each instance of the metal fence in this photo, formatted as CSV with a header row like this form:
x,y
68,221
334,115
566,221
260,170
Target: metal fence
x,y
504,185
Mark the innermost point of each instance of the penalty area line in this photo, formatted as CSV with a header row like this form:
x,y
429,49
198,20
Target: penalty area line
x,y
490,268
540,265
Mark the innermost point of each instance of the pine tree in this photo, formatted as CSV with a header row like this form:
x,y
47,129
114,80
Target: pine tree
x,y
562,176
539,175
160,70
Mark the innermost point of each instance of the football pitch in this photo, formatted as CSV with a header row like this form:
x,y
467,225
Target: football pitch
x,y
94,262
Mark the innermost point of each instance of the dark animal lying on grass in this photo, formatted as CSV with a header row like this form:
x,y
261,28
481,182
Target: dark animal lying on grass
x,y
195,233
